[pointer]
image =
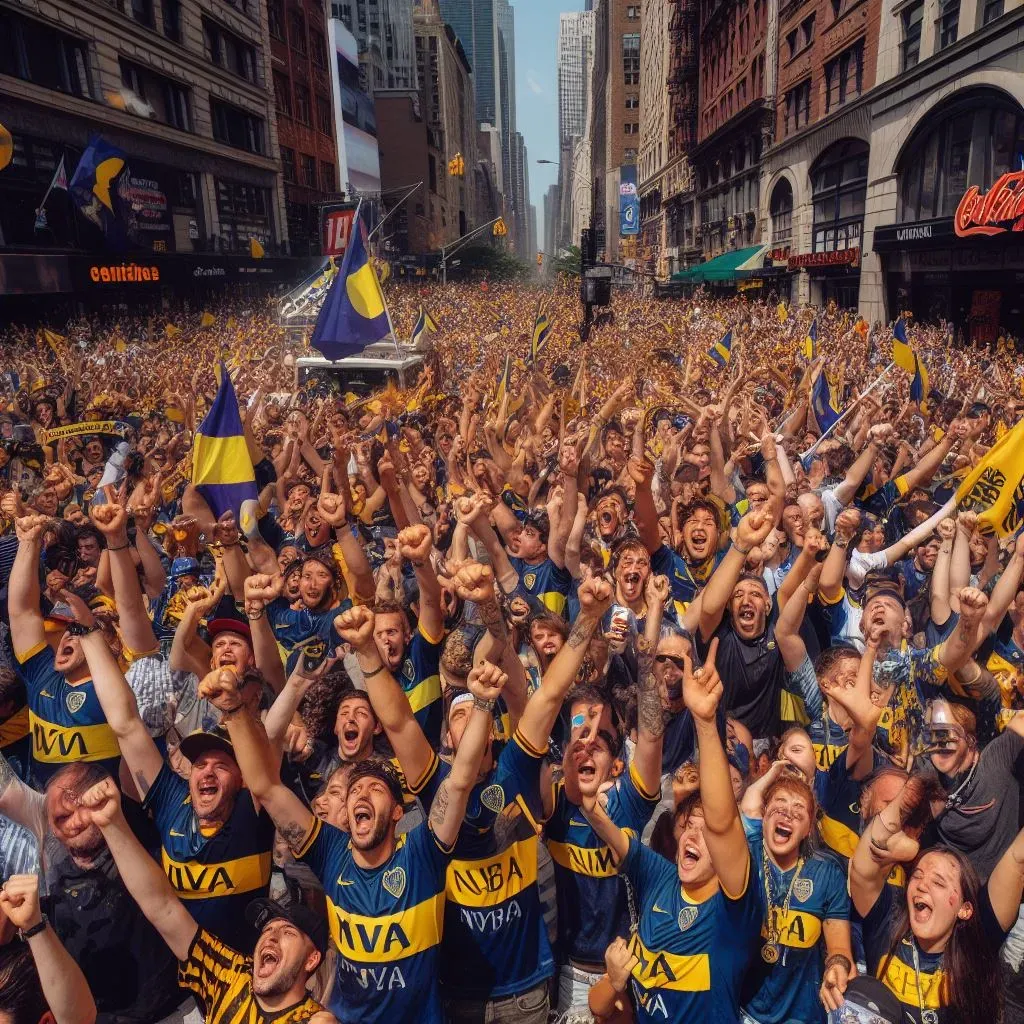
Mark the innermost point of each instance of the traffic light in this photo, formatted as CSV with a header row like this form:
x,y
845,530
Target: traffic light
x,y
540,259
499,230
457,166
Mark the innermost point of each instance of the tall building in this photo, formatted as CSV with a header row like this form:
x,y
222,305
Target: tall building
x,y
303,97
615,122
476,24
519,197
575,66
183,90
383,30
551,205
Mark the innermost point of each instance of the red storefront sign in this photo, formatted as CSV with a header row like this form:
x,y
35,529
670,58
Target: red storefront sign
x,y
337,228
839,258
779,255
1001,210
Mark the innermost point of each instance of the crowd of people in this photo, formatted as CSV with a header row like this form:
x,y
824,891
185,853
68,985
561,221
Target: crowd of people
x,y
594,680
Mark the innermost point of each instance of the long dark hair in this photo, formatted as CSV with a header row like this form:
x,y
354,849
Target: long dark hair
x,y
972,983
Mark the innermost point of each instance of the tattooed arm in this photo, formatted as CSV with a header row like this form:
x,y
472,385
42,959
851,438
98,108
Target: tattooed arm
x,y
542,708
651,721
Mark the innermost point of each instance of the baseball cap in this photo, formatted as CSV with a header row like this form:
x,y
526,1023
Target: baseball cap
x,y
867,1001
199,742
259,913
226,624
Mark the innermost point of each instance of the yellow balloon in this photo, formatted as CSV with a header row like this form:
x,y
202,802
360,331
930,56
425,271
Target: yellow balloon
x,y
6,147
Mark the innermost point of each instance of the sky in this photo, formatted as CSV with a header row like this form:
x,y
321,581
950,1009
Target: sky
x,y
537,91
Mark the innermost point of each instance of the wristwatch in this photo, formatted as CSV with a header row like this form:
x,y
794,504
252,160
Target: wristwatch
x,y
643,645
35,929
77,629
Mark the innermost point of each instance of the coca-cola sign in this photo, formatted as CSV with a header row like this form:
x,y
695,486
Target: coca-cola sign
x,y
995,213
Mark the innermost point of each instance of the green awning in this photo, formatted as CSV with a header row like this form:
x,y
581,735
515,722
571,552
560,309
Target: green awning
x,y
721,270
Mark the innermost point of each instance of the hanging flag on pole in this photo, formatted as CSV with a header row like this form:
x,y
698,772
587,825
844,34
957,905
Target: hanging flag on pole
x,y
995,487
541,333
825,403
919,385
721,351
811,342
902,353
425,324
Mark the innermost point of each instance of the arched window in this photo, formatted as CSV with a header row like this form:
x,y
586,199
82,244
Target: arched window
x,y
971,141
781,209
839,184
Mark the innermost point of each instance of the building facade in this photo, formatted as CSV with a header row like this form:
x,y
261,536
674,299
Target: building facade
x,y
575,66
383,31
182,88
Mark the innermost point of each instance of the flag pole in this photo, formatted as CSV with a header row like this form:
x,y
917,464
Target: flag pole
x,y
846,412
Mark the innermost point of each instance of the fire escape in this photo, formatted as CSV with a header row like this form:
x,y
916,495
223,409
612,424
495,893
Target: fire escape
x,y
682,77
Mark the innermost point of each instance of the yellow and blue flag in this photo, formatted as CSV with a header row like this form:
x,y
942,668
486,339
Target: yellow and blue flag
x,y
353,314
221,466
902,353
811,342
504,381
93,187
919,385
541,333
207,319
995,487
425,324
825,403
721,351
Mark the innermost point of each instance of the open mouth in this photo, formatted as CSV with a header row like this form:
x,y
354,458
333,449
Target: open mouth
x,y
362,817
691,855
66,652
747,615
350,734
267,961
632,580
783,833
921,910
207,790
587,771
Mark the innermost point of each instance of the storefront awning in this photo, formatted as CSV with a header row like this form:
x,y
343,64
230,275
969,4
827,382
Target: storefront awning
x,y
722,269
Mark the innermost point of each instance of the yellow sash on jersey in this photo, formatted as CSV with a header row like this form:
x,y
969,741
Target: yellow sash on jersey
x,y
659,969
58,744
386,938
194,881
794,928
901,979
15,728
487,881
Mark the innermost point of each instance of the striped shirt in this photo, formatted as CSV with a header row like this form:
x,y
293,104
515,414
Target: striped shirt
x,y
221,981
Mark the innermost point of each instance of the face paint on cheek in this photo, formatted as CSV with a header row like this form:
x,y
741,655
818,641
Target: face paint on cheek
x,y
578,720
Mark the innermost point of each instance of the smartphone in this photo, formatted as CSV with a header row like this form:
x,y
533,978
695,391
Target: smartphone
x,y
313,653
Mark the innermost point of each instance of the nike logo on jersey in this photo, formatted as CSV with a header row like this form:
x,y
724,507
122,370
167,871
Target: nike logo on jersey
x,y
576,821
657,910
43,693
177,835
343,881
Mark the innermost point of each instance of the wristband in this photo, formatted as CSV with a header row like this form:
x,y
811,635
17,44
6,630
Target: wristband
x,y
123,547
256,616
742,551
77,629
376,671
483,704
841,544
28,933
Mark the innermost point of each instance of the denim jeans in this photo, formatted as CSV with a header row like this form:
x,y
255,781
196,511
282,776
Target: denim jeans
x,y
529,1007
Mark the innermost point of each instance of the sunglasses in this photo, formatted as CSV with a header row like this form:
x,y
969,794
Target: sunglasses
x,y
664,659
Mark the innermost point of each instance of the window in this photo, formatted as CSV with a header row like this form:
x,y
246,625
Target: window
x,y
142,12
631,58
275,18
973,142
632,102
806,32
798,107
993,10
910,49
633,11
297,31
328,178
302,104
239,5
171,17
37,53
308,170
170,102
839,183
229,51
237,128
282,94
317,51
840,7
323,115
844,77
631,128
791,44
238,200
781,209
288,164
949,20
629,155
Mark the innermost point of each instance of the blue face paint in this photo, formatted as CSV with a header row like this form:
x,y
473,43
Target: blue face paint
x,y
578,720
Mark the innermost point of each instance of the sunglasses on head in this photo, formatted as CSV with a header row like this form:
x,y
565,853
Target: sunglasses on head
x,y
664,659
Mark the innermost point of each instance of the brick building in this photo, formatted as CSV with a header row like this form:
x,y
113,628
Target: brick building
x,y
305,115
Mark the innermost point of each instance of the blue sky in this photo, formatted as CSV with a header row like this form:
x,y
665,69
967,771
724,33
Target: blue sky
x,y
537,91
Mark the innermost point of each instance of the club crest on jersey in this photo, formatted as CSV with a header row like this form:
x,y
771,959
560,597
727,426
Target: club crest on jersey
x,y
75,701
529,580
407,669
493,798
394,881
803,888
686,918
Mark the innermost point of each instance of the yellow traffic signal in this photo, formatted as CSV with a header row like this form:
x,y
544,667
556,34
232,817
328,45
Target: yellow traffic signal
x,y
499,229
540,259
457,166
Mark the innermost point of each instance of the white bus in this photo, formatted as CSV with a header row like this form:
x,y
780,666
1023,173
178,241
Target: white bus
x,y
365,373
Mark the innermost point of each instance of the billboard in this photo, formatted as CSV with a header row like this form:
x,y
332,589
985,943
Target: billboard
x,y
337,228
355,120
629,201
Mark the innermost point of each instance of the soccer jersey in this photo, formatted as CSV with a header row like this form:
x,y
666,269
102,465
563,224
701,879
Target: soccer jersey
x,y
592,908
692,954
420,680
685,582
67,722
788,989
495,939
543,584
221,980
16,743
215,875
386,924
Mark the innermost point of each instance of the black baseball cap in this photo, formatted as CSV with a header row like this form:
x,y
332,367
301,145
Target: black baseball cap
x,y
199,742
259,913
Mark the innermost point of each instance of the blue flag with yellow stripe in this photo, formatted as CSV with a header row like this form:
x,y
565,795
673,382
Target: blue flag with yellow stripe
x,y
721,351
902,353
824,403
221,466
541,332
353,314
919,385
811,342
425,324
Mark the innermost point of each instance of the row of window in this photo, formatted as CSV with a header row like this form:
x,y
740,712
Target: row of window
x,y
844,81
947,27
298,104
304,171
297,38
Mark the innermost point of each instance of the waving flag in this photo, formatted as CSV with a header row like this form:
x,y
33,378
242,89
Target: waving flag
x,y
902,353
824,403
919,385
541,332
811,342
721,351
221,466
93,188
425,324
354,313
995,487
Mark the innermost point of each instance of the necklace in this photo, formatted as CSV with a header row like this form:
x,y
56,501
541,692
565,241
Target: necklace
x,y
927,1016
770,950
957,796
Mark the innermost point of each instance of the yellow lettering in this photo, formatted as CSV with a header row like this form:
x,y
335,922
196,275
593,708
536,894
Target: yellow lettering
x,y
192,880
387,937
487,881
56,744
680,972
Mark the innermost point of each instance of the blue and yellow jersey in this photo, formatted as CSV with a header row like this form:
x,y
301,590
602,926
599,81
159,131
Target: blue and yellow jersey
x,y
1005,660
543,584
420,680
67,722
592,908
685,581
495,939
386,924
16,743
693,953
215,874
828,740
788,989
292,628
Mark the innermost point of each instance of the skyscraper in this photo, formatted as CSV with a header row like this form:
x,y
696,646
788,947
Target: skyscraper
x,y
383,30
575,52
476,24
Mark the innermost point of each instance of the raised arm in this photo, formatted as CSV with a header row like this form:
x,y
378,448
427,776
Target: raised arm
x,y
650,717
258,591
333,510
414,544
26,617
939,583
1006,883
65,989
449,807
855,700
142,876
